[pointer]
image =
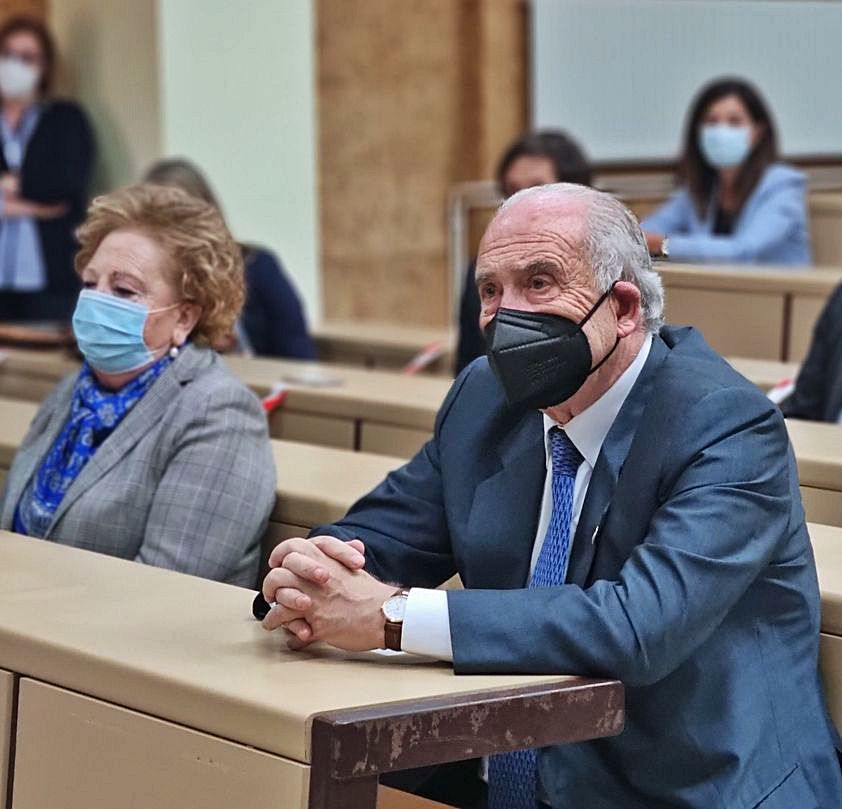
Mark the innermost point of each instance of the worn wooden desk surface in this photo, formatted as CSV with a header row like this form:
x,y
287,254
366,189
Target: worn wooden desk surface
x,y
827,546
315,484
818,450
382,345
382,396
751,278
186,650
762,312
343,406
764,373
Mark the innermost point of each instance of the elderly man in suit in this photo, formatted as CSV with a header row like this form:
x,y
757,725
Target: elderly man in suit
x,y
618,502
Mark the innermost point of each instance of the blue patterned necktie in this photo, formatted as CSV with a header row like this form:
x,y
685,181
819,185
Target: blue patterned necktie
x,y
512,776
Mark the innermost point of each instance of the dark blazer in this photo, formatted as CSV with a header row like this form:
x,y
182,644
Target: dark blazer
x,y
273,316
471,343
818,390
186,481
57,167
692,580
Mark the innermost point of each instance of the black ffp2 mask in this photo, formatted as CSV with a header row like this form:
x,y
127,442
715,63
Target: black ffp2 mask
x,y
540,360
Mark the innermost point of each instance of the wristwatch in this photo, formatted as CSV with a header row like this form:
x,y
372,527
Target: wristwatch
x,y
393,610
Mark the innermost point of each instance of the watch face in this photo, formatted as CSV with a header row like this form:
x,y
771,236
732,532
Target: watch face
x,y
394,608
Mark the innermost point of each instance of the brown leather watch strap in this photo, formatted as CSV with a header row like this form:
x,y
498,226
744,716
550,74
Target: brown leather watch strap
x,y
392,632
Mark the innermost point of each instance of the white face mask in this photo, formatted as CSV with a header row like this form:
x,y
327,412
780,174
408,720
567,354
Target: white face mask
x,y
725,146
17,79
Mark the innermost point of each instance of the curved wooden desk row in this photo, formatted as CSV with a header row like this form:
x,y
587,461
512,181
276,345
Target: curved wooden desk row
x,y
351,408
315,484
139,686
827,546
762,313
818,451
384,345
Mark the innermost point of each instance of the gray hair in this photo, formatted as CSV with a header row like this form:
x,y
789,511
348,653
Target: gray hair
x,y
614,248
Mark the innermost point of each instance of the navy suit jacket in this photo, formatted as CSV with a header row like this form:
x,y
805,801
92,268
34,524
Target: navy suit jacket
x,y
273,316
818,390
692,580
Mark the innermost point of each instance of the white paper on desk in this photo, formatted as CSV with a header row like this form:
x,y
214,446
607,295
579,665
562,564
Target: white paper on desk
x,y
4,355
310,378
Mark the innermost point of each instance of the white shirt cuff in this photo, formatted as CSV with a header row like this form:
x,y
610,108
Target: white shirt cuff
x,y
426,624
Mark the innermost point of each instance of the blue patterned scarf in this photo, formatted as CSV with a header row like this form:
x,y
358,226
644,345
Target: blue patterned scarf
x,y
94,413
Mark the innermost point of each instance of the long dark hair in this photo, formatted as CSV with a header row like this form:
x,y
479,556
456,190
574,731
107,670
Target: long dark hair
x,y
567,157
698,175
30,25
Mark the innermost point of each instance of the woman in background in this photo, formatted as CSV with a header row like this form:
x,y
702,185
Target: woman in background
x,y
46,156
737,203
153,451
538,158
272,323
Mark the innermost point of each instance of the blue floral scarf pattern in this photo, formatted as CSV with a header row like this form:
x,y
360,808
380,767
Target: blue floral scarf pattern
x,y
94,414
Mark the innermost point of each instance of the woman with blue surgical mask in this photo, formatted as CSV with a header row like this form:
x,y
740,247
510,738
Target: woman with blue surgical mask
x,y
154,451
737,203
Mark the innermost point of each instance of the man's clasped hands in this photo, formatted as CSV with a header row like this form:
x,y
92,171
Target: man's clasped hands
x,y
322,593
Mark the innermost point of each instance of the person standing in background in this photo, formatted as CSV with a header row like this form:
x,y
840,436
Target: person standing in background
x,y
737,202
46,157
272,323
538,158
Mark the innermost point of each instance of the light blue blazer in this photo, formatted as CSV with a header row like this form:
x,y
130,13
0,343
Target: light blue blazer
x,y
772,227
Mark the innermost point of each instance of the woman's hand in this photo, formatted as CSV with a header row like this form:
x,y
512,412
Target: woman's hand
x,y
654,241
10,183
14,208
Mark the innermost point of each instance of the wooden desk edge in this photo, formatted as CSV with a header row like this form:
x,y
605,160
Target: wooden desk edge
x,y
350,748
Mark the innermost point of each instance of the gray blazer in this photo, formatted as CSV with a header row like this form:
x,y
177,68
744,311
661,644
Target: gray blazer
x,y
186,481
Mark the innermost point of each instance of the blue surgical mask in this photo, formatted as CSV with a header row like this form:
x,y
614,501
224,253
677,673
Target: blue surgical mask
x,y
109,332
724,146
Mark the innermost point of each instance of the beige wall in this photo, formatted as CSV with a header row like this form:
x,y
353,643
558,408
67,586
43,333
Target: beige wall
x,y
413,97
228,85
238,97
109,62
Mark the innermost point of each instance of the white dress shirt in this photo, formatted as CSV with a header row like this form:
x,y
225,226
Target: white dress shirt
x,y
426,623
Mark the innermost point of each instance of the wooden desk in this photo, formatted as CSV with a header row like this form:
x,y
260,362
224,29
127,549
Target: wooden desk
x,y
818,451
7,706
315,484
756,312
373,411
764,373
353,408
143,687
826,227
827,547
46,336
382,345
31,375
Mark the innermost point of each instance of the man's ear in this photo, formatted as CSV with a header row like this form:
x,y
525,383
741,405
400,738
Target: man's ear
x,y
627,310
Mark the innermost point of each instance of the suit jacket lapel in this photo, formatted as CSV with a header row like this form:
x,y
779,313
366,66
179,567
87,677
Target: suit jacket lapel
x,y
504,514
609,465
27,459
137,422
